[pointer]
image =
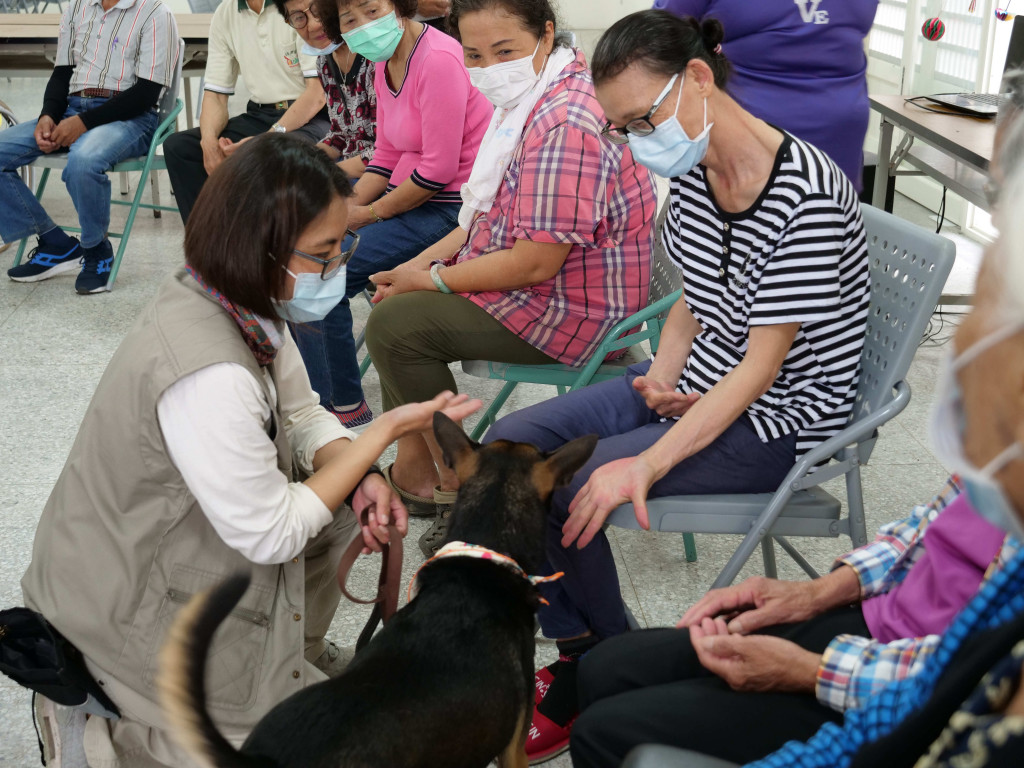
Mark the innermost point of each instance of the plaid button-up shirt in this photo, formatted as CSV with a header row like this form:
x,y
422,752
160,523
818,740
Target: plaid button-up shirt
x,y
855,668
567,184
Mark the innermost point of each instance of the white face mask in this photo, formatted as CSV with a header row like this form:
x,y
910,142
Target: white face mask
x,y
313,298
948,424
506,83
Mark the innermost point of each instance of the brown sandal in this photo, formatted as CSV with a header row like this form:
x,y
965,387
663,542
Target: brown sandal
x,y
435,536
418,506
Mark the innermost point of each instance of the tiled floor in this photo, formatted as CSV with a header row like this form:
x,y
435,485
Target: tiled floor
x,y
54,345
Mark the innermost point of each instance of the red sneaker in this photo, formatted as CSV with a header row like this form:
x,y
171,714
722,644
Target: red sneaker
x,y
546,739
542,678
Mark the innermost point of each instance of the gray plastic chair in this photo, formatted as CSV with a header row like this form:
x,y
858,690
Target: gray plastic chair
x,y
909,266
657,756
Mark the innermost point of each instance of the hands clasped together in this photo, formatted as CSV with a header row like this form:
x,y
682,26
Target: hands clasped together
x,y
51,136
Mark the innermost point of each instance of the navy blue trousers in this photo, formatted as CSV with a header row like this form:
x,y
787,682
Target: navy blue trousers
x,y
588,597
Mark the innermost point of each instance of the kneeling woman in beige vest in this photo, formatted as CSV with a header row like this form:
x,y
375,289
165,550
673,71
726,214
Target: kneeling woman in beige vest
x,y
190,461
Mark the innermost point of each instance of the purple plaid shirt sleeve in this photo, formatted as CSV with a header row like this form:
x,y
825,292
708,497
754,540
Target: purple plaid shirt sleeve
x,y
884,563
855,668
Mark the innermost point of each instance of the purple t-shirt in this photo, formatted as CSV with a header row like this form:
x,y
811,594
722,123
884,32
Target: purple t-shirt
x,y
800,65
959,546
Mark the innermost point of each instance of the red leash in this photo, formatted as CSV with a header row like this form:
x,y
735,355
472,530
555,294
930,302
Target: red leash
x,y
386,602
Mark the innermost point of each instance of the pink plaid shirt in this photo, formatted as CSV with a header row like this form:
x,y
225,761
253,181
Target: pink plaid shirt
x,y
567,184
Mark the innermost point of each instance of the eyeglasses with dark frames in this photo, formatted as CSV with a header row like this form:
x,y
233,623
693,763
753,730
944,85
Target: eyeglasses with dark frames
x,y
299,19
640,126
333,264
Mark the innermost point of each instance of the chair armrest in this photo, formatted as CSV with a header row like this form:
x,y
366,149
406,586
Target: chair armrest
x,y
617,338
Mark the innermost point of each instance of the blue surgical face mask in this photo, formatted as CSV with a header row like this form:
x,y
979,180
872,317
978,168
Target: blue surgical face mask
x,y
375,40
309,50
948,426
668,151
313,298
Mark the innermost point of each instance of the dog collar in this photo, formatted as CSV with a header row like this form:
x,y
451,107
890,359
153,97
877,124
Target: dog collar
x,y
464,549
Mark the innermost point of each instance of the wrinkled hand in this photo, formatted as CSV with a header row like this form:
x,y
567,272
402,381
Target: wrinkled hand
x,y
229,147
359,216
756,603
67,131
610,485
664,399
754,662
399,280
383,505
419,417
213,156
43,135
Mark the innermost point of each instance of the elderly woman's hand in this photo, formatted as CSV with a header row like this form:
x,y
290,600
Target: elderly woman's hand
x,y
383,506
400,280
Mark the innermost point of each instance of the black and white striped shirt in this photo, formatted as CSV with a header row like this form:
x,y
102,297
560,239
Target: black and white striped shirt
x,y
798,255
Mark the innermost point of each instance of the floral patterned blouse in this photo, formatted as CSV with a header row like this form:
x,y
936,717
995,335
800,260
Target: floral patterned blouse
x,y
352,106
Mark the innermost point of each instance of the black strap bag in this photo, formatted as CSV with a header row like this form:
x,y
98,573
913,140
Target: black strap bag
x,y
35,655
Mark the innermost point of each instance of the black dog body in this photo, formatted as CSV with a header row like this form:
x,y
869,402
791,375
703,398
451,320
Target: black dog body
x,y
448,682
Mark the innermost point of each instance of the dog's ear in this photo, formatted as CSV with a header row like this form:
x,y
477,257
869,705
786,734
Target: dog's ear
x,y
458,450
559,467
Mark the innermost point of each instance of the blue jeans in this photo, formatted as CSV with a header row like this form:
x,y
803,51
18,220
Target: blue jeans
x,y
588,597
328,348
94,153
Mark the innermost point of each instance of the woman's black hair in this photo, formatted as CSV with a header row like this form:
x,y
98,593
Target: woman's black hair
x,y
662,43
329,13
251,212
533,15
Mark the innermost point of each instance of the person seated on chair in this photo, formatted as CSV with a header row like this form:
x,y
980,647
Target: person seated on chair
x,y
553,247
965,706
809,650
247,38
430,121
347,80
758,360
799,66
114,60
204,452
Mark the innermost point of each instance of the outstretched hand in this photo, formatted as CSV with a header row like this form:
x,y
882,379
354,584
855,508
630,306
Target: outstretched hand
x,y
419,417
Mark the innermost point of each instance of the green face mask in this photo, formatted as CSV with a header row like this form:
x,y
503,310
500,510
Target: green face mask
x,y
377,40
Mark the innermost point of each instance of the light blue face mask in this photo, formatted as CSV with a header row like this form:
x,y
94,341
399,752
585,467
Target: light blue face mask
x,y
313,298
948,425
309,50
376,40
668,151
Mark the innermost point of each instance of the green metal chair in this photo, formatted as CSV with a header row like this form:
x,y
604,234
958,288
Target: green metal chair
x,y
908,267
170,106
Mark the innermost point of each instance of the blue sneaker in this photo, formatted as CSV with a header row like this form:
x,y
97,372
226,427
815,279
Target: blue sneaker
x,y
42,265
95,269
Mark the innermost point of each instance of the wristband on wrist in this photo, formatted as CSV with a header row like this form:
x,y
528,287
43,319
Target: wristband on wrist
x,y
373,470
278,128
435,275
374,213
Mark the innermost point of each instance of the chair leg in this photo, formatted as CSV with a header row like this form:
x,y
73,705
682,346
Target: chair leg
x,y
129,223
690,547
855,505
631,621
489,415
154,184
365,365
123,180
768,553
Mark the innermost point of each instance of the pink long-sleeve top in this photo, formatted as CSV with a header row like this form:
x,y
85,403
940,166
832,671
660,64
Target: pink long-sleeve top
x,y
430,129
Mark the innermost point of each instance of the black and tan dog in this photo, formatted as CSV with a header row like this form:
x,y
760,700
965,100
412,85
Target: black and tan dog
x,y
448,682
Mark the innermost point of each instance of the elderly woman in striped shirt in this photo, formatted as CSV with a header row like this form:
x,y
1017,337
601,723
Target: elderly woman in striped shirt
x,y
758,360
553,247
